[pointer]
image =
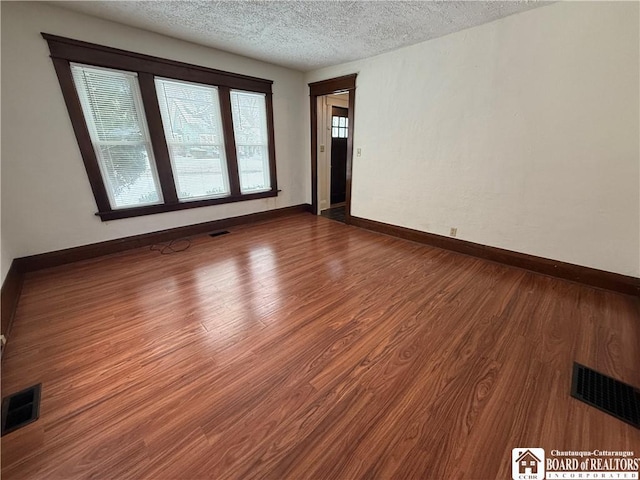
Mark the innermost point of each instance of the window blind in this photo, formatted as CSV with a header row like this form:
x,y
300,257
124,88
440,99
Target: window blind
x,y
249,114
113,111
193,130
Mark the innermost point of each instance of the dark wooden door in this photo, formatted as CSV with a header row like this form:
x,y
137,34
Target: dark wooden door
x,y
339,133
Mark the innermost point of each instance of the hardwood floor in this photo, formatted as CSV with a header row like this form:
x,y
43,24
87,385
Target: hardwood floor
x,y
305,348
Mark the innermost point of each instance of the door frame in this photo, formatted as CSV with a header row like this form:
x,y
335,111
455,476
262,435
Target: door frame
x,y
345,83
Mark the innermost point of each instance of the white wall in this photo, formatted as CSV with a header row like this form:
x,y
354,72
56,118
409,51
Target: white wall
x,y
47,202
5,250
523,133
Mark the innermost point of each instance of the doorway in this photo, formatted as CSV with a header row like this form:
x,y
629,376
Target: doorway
x,y
333,132
332,114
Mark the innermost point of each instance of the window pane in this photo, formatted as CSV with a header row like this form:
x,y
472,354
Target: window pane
x,y
249,112
129,174
342,122
112,109
334,121
334,132
193,130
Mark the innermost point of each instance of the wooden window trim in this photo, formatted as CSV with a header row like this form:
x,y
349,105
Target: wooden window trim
x,y
99,55
158,141
64,51
229,138
172,207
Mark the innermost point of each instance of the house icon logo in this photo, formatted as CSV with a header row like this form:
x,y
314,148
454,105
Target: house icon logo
x,y
527,464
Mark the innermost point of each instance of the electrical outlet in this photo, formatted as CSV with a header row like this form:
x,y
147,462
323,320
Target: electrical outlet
x,y
453,232
359,152
321,148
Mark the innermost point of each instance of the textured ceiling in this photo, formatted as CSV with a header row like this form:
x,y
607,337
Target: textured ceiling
x,y
303,35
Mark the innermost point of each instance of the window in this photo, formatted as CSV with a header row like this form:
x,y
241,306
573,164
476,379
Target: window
x,y
159,135
250,128
113,111
339,127
193,131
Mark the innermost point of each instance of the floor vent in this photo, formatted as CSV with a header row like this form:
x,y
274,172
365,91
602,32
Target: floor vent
x,y
20,409
217,234
607,394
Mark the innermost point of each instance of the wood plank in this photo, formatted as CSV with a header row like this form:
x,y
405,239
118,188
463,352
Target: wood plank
x,y
304,348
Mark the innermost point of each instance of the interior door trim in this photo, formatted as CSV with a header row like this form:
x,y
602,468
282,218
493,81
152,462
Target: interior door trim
x,y
346,83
